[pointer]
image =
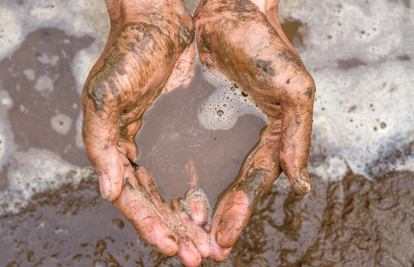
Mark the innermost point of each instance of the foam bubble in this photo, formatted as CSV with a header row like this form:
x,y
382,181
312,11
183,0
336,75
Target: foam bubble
x,y
43,58
61,123
44,84
6,100
30,74
229,102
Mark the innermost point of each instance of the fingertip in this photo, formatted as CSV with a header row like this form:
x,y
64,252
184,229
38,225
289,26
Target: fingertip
x,y
225,240
198,206
188,252
111,172
218,253
233,219
105,187
171,245
301,183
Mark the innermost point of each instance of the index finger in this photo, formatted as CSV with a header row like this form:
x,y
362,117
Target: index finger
x,y
139,211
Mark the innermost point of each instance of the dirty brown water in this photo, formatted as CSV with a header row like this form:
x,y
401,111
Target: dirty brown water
x,y
352,222
172,135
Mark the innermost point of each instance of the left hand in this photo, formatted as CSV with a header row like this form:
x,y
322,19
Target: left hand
x,y
244,41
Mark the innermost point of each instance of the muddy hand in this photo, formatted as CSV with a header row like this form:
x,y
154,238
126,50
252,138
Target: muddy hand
x,y
244,40
195,199
194,212
157,223
150,48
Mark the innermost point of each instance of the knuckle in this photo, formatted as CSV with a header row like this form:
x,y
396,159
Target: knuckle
x,y
300,88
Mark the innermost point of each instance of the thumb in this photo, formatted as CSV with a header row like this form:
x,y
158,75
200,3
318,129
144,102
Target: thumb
x,y
296,131
100,134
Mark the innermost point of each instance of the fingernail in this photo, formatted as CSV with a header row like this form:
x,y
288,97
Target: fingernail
x,y
105,186
302,185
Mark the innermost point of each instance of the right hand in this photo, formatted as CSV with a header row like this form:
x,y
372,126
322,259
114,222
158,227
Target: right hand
x,y
150,49
244,41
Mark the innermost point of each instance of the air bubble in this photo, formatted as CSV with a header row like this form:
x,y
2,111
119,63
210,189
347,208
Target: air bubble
x,y
61,123
239,105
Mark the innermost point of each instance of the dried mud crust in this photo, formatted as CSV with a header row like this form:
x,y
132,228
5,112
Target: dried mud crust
x,y
353,222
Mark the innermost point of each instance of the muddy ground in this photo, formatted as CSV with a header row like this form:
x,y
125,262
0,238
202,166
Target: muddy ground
x,y
354,222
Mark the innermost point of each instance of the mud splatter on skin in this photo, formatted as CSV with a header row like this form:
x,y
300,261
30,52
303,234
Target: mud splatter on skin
x,y
143,41
309,92
290,57
236,61
123,131
205,41
185,37
245,47
96,89
253,185
133,70
266,66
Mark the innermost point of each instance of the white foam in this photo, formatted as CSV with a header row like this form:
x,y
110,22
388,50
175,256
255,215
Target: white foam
x,y
6,135
78,125
83,63
75,17
223,108
30,74
11,32
34,171
351,103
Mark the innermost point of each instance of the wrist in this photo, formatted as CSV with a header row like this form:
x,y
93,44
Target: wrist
x,y
121,11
